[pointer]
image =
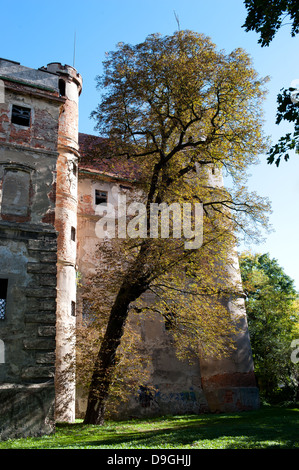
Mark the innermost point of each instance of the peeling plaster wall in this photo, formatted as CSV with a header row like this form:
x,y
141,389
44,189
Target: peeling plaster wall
x,y
28,251
40,170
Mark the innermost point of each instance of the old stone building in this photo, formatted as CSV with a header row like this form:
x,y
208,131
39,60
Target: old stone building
x,y
48,215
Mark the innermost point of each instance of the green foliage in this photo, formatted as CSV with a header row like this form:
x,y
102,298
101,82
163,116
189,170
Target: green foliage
x,y
267,428
128,374
267,16
176,99
287,111
273,317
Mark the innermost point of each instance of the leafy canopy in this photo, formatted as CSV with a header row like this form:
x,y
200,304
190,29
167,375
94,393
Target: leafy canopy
x,y
177,96
174,105
266,17
287,110
273,319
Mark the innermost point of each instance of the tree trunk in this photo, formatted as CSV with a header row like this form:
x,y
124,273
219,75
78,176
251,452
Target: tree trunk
x,y
105,363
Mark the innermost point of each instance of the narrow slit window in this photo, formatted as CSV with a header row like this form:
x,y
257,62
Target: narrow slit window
x,y
61,86
20,115
101,197
73,234
73,308
3,298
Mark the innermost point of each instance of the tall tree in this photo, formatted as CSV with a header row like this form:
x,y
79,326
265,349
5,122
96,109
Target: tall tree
x,y
273,319
266,18
180,110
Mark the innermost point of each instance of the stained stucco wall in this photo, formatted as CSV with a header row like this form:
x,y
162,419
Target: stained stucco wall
x,y
28,251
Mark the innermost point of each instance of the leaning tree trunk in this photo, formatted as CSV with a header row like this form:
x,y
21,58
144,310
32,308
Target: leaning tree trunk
x,y
105,362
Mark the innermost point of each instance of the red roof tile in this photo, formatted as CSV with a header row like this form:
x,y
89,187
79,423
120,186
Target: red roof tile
x,y
95,158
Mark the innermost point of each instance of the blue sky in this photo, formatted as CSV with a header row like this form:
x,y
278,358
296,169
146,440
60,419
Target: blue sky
x,y
36,33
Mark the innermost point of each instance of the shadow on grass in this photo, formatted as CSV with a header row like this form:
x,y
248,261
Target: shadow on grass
x,y
262,429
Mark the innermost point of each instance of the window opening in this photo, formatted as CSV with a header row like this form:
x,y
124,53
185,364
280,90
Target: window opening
x,y
3,297
73,234
87,312
101,197
20,115
73,308
61,86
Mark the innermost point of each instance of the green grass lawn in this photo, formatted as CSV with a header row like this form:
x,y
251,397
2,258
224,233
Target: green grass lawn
x,y
269,427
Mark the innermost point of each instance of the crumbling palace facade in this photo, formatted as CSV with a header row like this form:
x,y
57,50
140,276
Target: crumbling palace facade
x,y
48,215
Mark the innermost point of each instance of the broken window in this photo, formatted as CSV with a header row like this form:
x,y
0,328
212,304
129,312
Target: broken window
x,y
3,297
20,115
101,197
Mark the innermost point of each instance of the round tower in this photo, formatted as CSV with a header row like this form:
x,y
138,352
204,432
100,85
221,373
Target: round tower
x,y
229,382
70,86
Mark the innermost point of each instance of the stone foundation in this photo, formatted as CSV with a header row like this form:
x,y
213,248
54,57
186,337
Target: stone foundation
x,y
27,331
26,410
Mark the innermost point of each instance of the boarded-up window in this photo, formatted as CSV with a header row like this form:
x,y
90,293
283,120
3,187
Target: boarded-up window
x,y
15,193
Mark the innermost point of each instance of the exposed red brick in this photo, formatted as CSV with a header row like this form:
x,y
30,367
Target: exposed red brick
x,y
49,217
237,379
52,194
97,157
15,218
